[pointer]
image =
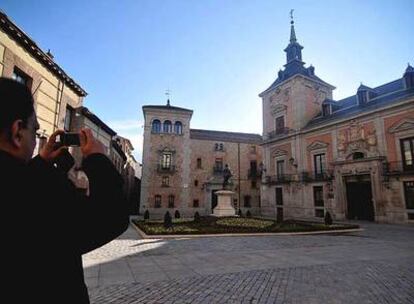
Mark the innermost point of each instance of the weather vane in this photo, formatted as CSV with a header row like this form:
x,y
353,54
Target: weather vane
x,y
168,93
291,14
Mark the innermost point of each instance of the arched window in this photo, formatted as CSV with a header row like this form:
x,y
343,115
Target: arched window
x,y
357,155
178,127
167,127
156,126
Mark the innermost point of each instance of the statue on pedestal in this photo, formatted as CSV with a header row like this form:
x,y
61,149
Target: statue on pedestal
x,y
226,176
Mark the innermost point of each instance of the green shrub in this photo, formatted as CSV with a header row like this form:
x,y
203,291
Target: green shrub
x,y
196,217
146,215
177,214
248,214
167,220
328,218
240,213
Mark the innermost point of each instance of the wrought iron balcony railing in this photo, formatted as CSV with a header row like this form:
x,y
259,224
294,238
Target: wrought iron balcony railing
x,y
165,169
398,168
316,176
278,179
217,170
254,174
278,133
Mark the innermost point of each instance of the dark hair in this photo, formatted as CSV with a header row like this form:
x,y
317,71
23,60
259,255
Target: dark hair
x,y
16,103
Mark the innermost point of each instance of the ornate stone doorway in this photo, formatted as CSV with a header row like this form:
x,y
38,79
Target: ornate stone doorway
x,y
359,198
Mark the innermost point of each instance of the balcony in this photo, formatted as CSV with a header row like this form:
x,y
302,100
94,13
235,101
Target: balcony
x,y
307,177
278,179
165,169
254,174
398,168
278,133
217,170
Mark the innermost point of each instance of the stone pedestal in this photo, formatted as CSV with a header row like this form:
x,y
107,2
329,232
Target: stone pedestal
x,y
224,206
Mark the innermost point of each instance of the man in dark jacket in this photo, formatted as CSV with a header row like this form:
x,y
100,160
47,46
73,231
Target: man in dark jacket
x,y
47,223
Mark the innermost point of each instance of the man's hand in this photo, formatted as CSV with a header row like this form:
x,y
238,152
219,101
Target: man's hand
x,y
49,152
89,144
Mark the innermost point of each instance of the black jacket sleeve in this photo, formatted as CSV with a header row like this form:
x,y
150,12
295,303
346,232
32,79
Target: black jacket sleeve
x,y
95,219
105,211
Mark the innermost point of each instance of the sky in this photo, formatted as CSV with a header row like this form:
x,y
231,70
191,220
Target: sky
x,y
214,56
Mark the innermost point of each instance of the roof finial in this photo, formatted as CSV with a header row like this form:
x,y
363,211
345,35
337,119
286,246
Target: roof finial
x,y
168,93
292,28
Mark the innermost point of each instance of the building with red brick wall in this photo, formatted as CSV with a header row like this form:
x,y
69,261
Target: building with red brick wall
x,y
352,157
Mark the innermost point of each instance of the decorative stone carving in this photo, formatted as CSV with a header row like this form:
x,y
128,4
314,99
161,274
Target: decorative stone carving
x,y
277,108
402,125
278,152
355,139
317,145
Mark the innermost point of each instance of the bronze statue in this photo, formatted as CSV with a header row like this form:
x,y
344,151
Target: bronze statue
x,y
226,176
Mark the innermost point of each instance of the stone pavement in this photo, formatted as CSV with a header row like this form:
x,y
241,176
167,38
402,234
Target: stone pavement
x,y
373,266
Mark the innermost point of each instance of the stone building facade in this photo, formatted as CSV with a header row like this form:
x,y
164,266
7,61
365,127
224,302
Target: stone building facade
x,y
182,167
53,90
352,157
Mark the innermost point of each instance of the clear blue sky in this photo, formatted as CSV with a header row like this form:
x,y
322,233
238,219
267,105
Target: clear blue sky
x,y
215,56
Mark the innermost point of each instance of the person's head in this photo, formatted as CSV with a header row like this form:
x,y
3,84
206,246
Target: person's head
x,y
18,122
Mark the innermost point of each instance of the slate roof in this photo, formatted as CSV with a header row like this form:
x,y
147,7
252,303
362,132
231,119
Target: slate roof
x,y
95,119
166,107
225,136
386,94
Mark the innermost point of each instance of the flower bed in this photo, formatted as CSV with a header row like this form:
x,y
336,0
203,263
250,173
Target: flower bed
x,y
234,225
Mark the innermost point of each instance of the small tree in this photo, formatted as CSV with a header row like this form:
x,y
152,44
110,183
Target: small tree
x,y
328,218
196,217
248,213
240,213
146,215
167,220
279,217
177,214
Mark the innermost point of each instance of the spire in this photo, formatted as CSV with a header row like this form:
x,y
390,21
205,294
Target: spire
x,y
292,28
294,49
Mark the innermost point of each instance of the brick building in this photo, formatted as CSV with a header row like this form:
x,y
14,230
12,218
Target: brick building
x,y
352,157
182,167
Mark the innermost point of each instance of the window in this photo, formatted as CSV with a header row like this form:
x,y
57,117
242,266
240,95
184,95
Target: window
x,y
253,167
280,168
326,110
156,126
22,77
166,160
219,147
195,203
319,161
279,196
171,201
218,165
254,184
178,127
280,125
68,119
167,127
407,150
165,181
357,155
253,149
409,197
247,201
158,201
195,183
318,201
199,164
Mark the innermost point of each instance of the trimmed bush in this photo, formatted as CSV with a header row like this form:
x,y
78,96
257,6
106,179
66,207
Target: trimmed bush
x,y
248,213
167,220
146,215
196,217
328,219
177,214
240,213
279,217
